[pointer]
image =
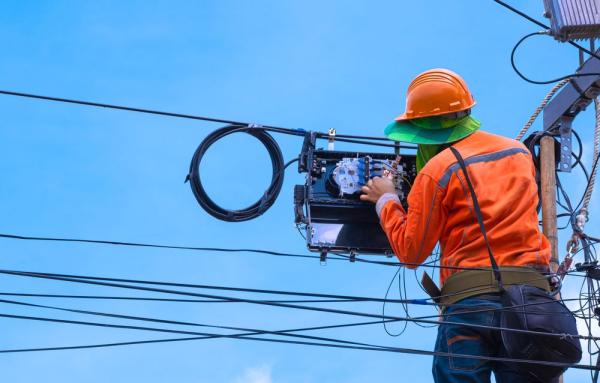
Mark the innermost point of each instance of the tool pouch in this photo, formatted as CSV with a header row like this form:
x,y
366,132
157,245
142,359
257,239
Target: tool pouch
x,y
529,308
533,309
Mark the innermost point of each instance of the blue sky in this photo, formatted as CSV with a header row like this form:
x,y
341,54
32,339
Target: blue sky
x,y
84,172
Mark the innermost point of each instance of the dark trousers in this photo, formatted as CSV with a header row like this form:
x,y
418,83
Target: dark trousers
x,y
474,341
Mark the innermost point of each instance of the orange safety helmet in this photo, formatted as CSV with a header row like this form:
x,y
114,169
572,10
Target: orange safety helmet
x,y
436,92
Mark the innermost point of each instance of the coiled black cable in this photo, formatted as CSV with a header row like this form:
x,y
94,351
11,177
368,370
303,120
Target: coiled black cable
x,y
520,74
269,196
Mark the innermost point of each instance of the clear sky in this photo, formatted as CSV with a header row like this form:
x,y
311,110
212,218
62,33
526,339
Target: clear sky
x,y
84,172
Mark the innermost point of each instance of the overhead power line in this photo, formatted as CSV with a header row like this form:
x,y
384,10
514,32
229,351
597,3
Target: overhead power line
x,y
366,140
125,108
343,299
276,304
337,256
421,301
249,331
215,287
177,247
332,343
151,299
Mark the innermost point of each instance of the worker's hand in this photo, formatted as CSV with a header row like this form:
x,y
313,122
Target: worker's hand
x,y
377,187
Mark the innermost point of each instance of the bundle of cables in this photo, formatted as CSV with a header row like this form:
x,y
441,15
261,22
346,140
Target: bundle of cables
x,y
268,197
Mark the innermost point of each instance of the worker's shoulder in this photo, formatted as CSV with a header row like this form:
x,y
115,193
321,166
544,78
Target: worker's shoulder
x,y
480,146
482,142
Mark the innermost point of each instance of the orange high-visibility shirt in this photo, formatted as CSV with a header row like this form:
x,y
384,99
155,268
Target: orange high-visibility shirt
x,y
440,208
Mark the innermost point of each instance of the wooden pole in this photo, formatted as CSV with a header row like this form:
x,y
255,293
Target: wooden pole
x,y
548,191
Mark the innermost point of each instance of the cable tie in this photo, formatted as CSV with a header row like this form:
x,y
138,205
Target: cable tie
x,y
255,126
420,302
565,336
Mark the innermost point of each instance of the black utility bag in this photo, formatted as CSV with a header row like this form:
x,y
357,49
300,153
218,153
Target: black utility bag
x,y
532,309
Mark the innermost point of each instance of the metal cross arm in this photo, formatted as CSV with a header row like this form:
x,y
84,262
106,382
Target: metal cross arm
x,y
572,99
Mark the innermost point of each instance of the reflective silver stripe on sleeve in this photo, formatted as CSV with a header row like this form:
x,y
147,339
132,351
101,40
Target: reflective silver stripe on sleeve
x,y
443,182
385,198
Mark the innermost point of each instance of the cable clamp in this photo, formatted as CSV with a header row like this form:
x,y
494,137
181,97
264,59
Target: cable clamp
x,y
581,219
331,139
255,126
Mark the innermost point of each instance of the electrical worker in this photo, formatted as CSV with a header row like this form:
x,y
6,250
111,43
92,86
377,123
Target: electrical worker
x,y
440,209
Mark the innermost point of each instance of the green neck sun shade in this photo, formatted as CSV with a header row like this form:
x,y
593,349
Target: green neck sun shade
x,y
432,130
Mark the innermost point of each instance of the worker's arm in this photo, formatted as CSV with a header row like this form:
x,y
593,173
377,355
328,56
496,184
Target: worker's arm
x,y
412,235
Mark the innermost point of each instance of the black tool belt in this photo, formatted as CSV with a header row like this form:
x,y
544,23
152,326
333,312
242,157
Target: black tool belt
x,y
469,283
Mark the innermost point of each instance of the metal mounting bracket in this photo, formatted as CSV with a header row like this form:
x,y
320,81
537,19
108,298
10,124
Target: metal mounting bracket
x,y
323,257
566,144
353,255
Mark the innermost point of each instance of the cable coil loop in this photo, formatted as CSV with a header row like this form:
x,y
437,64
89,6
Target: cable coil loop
x,y
269,196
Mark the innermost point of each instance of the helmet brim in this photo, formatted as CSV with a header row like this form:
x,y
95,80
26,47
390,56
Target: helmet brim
x,y
405,117
431,134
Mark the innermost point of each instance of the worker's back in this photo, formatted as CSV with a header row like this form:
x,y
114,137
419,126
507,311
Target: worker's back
x,y
503,176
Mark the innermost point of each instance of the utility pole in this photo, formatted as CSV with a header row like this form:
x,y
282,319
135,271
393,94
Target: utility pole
x,y
548,192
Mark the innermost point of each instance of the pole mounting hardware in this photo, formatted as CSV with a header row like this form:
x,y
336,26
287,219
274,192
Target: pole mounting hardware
x,y
566,144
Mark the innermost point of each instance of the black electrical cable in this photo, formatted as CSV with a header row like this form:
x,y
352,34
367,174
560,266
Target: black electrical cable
x,y
213,336
419,301
296,132
151,299
590,237
304,343
546,27
159,246
247,335
569,206
269,196
250,331
358,141
387,292
274,304
247,332
336,297
526,16
520,74
338,343
337,257
230,288
579,156
124,108
335,343
588,185
403,301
